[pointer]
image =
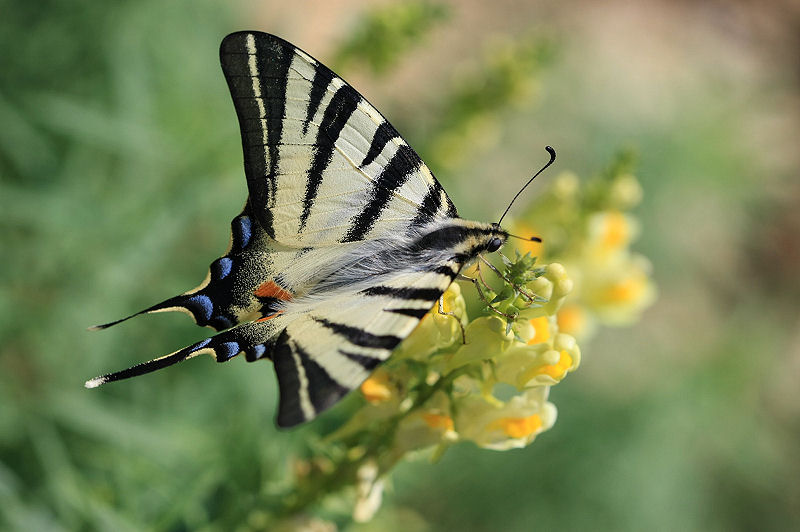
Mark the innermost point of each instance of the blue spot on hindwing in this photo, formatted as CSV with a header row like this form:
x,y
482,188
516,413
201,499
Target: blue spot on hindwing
x,y
227,350
255,352
221,268
201,306
242,231
201,345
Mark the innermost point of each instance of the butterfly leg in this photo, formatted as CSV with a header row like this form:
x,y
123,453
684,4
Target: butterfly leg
x,y
477,281
453,314
518,288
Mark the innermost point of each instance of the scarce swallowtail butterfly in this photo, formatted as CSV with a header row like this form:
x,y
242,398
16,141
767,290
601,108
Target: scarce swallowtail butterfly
x,y
345,242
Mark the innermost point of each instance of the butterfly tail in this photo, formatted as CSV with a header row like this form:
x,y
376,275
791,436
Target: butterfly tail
x,y
200,305
254,339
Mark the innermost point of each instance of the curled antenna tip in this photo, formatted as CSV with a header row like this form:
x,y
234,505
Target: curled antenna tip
x,y
94,383
552,153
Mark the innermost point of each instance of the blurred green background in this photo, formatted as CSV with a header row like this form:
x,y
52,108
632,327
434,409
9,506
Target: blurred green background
x,y
120,168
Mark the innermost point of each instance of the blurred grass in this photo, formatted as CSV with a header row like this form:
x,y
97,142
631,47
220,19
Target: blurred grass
x,y
120,169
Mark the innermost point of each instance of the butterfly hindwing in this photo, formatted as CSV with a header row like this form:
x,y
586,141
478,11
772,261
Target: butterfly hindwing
x,y
332,348
234,290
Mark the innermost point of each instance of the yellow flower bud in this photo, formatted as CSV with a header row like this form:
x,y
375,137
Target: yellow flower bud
x,y
626,192
542,287
566,185
555,271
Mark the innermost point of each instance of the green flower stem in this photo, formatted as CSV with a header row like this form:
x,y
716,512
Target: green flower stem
x,y
344,470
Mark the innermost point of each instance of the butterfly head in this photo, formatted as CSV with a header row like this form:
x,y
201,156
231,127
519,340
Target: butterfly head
x,y
494,245
496,238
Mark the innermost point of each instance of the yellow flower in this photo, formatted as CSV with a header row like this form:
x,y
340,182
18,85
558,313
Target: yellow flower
x,y
619,293
501,426
611,231
541,327
376,388
538,364
572,319
562,362
517,427
427,427
438,421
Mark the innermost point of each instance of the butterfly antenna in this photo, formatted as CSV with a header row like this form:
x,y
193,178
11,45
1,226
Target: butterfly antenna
x,y
526,238
552,153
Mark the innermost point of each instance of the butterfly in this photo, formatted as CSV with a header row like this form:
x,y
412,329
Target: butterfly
x,y
345,242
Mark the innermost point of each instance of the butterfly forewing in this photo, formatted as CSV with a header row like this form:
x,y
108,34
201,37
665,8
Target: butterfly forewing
x,y
316,152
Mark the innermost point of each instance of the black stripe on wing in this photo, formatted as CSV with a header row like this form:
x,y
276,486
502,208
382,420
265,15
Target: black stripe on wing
x,y
412,312
290,385
319,86
430,205
322,389
368,363
401,166
336,115
305,388
360,337
383,135
259,92
427,294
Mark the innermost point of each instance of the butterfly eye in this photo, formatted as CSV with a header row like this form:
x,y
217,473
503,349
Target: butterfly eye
x,y
494,245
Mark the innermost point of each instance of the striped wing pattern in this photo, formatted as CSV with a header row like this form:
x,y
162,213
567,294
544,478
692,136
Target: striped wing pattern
x,y
330,350
345,243
323,166
312,375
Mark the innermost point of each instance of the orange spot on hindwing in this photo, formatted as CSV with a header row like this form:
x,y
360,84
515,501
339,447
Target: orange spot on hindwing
x,y
265,318
270,289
